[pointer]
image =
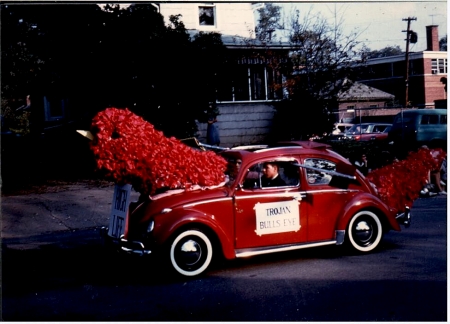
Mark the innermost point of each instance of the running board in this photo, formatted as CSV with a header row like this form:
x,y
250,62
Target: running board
x,y
252,252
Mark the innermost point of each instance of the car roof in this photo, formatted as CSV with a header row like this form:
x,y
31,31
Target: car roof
x,y
343,124
285,148
374,123
424,111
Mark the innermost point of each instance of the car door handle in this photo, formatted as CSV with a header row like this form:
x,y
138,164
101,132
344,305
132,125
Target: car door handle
x,y
299,196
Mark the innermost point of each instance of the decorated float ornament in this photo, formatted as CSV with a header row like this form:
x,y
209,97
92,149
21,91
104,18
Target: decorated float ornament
x,y
399,183
131,151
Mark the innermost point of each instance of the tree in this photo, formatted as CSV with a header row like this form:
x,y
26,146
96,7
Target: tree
x,y
115,56
268,22
46,50
384,52
443,44
322,66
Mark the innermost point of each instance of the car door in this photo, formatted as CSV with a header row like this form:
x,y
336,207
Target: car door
x,y
269,216
325,197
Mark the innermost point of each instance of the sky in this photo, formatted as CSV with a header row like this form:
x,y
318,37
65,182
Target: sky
x,y
379,22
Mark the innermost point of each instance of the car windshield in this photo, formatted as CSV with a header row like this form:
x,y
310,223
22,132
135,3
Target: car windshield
x,y
357,129
404,120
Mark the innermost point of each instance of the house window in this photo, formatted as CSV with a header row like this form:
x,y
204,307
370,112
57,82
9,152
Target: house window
x,y
350,107
54,108
438,66
207,16
250,83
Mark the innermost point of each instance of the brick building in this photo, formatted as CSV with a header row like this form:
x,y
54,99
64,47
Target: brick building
x,y
244,95
426,72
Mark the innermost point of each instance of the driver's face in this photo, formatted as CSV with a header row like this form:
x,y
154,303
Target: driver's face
x,y
269,170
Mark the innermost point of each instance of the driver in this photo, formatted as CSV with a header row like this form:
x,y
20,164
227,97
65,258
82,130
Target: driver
x,y
271,178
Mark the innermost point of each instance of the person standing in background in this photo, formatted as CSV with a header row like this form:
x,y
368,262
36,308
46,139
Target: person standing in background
x,y
362,165
212,132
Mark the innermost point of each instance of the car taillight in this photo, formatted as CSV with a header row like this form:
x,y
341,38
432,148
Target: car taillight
x,y
357,138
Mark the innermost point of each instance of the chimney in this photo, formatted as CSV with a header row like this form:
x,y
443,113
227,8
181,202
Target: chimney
x,y
432,38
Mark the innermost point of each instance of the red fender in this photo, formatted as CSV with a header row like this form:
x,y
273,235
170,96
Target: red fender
x,y
168,224
366,201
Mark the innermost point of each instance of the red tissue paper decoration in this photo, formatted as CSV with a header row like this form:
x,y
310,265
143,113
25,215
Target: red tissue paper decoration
x,y
399,183
132,151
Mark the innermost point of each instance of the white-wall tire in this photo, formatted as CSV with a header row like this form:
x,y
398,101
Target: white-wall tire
x,y
365,231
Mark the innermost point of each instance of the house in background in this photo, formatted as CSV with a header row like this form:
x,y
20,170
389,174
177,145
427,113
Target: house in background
x,y
426,69
363,96
380,92
244,94
236,19
363,102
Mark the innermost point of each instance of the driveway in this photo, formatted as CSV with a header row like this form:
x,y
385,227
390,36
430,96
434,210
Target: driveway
x,y
35,218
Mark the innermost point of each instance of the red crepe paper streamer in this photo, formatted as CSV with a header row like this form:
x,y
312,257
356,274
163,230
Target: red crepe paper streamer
x,y
130,150
399,183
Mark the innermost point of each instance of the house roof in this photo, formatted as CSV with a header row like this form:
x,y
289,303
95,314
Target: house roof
x,y
360,91
243,42
239,42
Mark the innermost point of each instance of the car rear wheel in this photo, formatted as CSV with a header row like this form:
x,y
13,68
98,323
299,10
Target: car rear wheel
x,y
191,252
365,231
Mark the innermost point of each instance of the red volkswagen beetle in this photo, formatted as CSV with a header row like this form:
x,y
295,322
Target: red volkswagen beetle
x,y
321,200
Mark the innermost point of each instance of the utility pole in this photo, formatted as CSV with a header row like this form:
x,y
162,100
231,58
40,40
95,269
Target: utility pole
x,y
408,33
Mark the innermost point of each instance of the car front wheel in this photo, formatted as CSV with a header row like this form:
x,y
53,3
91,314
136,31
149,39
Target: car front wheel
x,y
364,231
191,252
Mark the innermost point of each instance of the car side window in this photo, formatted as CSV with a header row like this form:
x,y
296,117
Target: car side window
x,y
367,129
429,119
316,177
287,172
253,176
379,129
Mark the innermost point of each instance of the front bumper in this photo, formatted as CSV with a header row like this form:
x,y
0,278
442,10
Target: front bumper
x,y
123,245
404,218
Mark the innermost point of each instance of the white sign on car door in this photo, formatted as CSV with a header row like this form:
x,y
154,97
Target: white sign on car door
x,y
277,217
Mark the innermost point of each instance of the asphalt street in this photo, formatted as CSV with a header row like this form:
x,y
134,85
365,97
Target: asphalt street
x,y
55,269
36,219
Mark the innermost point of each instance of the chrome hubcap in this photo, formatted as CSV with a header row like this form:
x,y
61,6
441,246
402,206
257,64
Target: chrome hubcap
x,y
363,232
190,253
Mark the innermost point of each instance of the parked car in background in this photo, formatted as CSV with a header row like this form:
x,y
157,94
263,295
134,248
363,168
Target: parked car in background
x,y
322,200
340,128
418,127
368,132
337,134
